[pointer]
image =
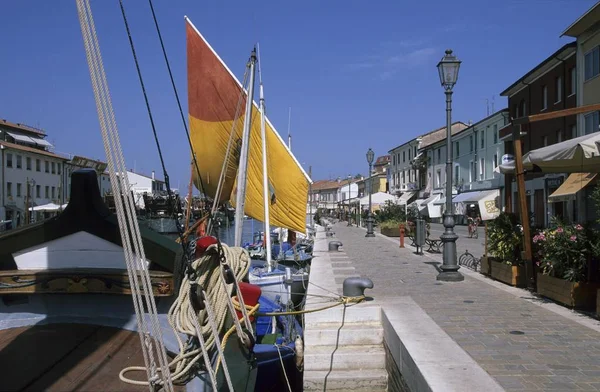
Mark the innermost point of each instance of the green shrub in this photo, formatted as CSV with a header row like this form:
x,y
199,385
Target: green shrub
x,y
391,224
390,211
504,238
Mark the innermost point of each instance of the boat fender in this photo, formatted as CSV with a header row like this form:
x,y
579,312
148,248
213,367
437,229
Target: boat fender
x,y
355,286
203,243
251,294
334,245
299,352
196,297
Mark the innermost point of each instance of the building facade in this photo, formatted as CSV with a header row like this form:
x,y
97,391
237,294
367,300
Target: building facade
x,y
142,184
30,173
586,74
547,87
403,177
324,195
477,152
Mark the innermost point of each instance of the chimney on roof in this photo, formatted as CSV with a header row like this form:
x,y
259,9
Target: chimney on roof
x,y
153,174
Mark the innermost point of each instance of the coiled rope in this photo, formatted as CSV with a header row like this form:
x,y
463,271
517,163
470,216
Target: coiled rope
x,y
208,323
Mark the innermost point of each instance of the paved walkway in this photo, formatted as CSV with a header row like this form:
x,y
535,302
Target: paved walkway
x,y
475,246
523,345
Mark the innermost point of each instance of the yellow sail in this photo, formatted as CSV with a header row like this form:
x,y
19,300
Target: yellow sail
x,y
213,99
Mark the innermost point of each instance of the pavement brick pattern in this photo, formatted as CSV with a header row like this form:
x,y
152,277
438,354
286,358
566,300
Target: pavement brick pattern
x,y
523,346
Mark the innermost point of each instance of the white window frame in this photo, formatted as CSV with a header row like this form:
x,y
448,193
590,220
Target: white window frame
x,y
544,97
495,134
558,88
594,121
482,169
573,81
456,174
471,171
438,178
594,54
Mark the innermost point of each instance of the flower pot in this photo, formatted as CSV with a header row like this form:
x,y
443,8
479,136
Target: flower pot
x,y
390,232
486,266
513,275
578,295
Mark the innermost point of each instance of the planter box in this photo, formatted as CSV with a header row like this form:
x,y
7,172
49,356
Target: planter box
x,y
510,274
573,294
394,232
486,266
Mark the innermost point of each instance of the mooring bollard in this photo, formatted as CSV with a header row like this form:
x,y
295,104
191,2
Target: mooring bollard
x,y
355,286
334,245
402,236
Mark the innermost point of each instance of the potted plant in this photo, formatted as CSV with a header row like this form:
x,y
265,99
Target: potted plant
x,y
389,217
391,228
505,242
564,253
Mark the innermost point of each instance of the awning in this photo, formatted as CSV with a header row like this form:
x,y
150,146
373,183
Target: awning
x,y
467,197
433,210
42,142
573,184
405,198
21,138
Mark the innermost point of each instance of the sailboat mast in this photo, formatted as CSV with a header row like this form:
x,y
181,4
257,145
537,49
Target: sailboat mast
x,y
267,234
240,198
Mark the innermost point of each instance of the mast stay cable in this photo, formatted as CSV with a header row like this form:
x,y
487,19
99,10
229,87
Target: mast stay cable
x,y
135,258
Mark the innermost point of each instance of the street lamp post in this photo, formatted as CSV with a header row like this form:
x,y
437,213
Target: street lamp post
x,y
370,157
448,70
349,197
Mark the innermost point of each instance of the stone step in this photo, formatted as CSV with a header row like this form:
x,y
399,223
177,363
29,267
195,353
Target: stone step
x,y
350,334
358,313
371,380
344,357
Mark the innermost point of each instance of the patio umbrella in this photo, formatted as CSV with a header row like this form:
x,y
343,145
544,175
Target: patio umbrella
x,y
579,155
377,198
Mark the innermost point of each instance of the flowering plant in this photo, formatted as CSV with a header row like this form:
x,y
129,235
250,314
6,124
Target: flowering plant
x,y
562,251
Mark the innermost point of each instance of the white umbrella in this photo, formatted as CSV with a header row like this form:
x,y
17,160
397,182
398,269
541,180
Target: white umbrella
x,y
579,155
377,198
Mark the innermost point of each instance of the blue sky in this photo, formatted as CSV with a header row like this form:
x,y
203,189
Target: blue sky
x,y
357,74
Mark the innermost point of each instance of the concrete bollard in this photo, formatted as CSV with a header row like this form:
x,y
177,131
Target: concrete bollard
x,y
355,286
334,245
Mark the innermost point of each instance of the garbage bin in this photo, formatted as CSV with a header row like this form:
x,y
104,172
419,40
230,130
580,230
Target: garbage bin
x,y
420,234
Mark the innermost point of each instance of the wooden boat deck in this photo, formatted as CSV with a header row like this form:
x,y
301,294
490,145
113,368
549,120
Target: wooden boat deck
x,y
69,357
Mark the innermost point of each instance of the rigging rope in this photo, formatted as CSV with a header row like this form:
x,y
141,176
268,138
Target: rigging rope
x,y
135,258
162,161
187,132
208,323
